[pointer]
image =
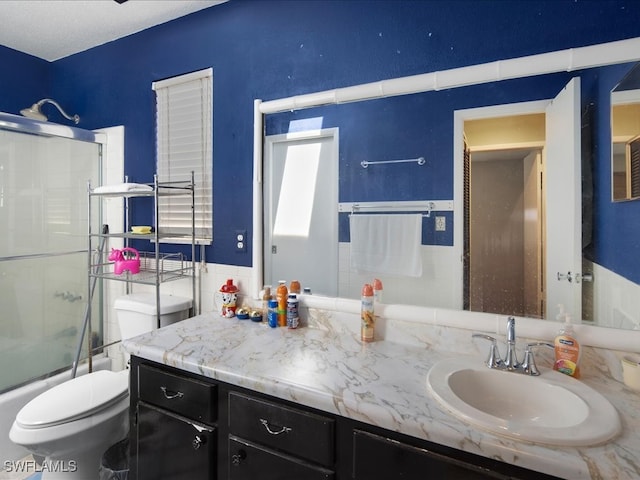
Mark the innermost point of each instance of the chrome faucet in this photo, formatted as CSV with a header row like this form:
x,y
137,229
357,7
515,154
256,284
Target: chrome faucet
x,y
510,362
511,359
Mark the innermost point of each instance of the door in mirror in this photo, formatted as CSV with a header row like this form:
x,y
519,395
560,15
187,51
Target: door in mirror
x,y
625,136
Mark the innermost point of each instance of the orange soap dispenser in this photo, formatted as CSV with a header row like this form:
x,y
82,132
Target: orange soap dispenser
x,y
567,348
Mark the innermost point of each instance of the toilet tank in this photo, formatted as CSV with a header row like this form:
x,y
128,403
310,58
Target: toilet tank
x,y
136,312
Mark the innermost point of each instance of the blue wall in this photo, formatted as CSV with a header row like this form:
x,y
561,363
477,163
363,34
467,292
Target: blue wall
x,y
272,49
616,233
24,80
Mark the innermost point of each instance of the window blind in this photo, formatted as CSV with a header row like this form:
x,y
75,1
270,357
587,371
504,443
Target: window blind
x,y
634,166
184,137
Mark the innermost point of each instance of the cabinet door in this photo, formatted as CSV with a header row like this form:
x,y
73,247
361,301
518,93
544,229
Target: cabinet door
x,y
376,457
248,461
172,448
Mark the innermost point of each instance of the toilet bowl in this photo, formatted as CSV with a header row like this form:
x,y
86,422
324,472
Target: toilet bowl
x,y
72,424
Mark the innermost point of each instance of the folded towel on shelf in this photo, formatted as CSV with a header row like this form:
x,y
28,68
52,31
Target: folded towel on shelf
x,y
124,188
388,244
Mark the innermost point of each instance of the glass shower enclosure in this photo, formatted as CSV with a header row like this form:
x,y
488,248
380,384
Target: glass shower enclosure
x,y
44,173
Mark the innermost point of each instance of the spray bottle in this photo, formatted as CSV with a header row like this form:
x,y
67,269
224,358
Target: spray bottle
x,y
281,296
377,290
366,314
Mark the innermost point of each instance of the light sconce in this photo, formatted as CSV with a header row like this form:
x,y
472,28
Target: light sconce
x,y
35,111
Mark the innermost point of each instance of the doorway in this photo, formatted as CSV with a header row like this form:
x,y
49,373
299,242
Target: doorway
x,y
506,221
561,257
301,210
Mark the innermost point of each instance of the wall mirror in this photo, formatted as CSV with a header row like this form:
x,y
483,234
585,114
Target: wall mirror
x,y
397,128
625,137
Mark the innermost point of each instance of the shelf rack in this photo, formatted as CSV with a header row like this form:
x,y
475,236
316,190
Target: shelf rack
x,y
156,268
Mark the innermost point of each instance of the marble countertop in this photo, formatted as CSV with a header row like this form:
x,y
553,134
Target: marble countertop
x,y
324,365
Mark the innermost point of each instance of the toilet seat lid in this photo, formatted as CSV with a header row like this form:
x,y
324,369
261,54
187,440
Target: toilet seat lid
x,y
74,399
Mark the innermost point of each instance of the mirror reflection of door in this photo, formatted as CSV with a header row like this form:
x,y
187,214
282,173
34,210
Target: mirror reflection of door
x,y
506,215
625,134
563,213
524,225
301,210
626,169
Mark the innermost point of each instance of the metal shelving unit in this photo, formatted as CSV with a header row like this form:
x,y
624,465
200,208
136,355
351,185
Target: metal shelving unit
x,y
156,267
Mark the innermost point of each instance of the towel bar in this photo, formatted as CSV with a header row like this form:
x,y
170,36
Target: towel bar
x,y
398,206
419,161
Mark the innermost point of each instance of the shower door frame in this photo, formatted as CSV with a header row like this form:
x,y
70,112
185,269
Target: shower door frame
x,y
18,124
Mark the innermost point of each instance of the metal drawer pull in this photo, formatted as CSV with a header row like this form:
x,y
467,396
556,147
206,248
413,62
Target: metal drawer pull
x,y
170,394
274,432
198,441
238,457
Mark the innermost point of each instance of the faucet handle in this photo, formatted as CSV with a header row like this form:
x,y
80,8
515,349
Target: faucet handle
x,y
493,360
529,363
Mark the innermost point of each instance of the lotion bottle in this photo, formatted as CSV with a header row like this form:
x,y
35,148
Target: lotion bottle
x,y
266,296
567,349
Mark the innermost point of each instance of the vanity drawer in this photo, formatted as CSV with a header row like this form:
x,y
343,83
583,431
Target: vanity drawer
x,y
248,461
303,434
186,396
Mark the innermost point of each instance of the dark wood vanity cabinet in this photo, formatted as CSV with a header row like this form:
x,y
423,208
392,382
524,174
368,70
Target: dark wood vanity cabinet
x,y
377,456
171,447
184,426
173,426
250,461
269,440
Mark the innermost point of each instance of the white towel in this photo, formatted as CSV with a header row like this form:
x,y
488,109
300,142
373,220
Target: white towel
x,y
388,244
124,188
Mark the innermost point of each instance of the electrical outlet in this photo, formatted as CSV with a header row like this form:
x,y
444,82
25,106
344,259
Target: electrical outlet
x,y
241,241
441,224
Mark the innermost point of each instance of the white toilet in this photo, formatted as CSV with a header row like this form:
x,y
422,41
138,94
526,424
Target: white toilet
x,y
72,424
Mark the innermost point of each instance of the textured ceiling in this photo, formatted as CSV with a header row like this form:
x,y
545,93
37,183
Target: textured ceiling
x,y
53,29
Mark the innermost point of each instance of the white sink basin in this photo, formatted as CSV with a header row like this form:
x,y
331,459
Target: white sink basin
x,y
552,408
